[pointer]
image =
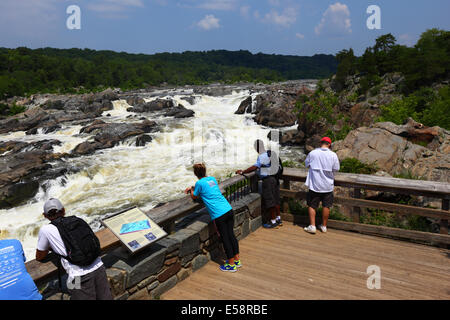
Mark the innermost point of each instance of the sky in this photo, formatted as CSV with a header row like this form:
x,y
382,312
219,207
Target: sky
x,y
290,27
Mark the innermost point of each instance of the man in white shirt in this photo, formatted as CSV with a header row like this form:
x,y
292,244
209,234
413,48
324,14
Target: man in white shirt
x,y
84,282
322,164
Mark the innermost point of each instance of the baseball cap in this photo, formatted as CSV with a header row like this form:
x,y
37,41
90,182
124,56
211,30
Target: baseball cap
x,y
326,139
51,204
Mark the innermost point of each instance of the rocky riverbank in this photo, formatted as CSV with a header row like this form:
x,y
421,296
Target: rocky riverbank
x,y
24,165
351,119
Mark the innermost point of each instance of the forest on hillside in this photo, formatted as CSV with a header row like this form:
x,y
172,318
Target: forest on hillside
x,y
25,71
425,68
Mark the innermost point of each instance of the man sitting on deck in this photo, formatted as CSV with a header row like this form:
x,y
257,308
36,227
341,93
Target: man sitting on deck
x,y
322,163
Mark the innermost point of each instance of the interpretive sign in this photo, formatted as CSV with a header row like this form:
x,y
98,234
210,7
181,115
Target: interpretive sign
x,y
134,229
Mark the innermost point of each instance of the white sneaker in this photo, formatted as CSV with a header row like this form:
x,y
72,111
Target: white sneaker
x,y
310,229
323,228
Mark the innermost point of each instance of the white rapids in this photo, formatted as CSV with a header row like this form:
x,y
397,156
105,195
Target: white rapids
x,y
126,175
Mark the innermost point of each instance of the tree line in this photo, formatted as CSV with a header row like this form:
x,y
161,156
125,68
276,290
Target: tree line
x,y
25,71
425,68
422,65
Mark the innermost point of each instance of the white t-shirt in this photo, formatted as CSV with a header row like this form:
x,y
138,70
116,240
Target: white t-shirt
x,y
49,238
322,163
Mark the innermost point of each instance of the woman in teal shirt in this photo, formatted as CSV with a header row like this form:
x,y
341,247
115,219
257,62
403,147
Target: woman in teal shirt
x,y
221,213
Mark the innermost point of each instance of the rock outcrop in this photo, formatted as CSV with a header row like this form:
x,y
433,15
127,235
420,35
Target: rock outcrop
x,y
107,135
394,149
276,107
245,106
22,166
168,107
49,111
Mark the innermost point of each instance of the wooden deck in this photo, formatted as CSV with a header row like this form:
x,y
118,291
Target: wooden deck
x,y
290,264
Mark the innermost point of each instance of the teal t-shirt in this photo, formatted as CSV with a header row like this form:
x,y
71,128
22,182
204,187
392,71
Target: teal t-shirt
x,y
208,189
15,282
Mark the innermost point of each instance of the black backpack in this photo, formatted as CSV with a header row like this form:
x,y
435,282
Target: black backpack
x,y
279,173
82,245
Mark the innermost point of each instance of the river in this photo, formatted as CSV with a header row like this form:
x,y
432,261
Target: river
x,y
126,175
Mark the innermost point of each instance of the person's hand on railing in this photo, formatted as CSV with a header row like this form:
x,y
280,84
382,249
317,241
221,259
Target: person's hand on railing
x,y
240,172
188,190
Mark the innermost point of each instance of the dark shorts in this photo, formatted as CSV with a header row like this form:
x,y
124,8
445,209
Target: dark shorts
x,y
94,286
270,192
314,198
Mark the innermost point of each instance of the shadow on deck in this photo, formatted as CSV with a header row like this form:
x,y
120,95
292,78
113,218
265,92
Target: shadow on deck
x,y
290,264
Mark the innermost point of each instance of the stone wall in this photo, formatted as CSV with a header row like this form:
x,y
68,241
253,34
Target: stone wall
x,y
150,273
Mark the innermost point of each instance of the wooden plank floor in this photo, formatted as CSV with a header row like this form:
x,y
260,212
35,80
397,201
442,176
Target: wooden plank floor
x,y
290,264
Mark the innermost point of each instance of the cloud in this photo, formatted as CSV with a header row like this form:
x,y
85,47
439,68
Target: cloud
x,y
274,2
335,21
223,5
108,6
406,39
245,10
284,19
209,22
299,36
29,17
114,9
161,2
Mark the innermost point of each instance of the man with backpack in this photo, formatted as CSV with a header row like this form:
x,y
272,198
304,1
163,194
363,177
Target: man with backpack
x,y
269,169
71,239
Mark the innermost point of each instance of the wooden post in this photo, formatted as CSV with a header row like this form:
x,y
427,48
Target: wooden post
x,y
444,222
287,186
356,212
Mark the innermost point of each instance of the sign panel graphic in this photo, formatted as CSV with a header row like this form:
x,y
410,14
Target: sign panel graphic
x,y
134,229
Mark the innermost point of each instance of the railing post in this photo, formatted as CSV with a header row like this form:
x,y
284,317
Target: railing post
x,y
254,183
169,226
444,222
287,186
356,211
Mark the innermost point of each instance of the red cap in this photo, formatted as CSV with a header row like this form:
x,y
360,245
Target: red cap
x,y
326,139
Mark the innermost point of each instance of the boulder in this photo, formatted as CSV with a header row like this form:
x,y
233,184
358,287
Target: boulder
x,y
245,106
155,105
276,117
393,149
107,135
50,127
18,174
179,112
289,137
135,100
142,140
25,121
190,99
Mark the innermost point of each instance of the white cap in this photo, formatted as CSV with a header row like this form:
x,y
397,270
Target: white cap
x,y
51,204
